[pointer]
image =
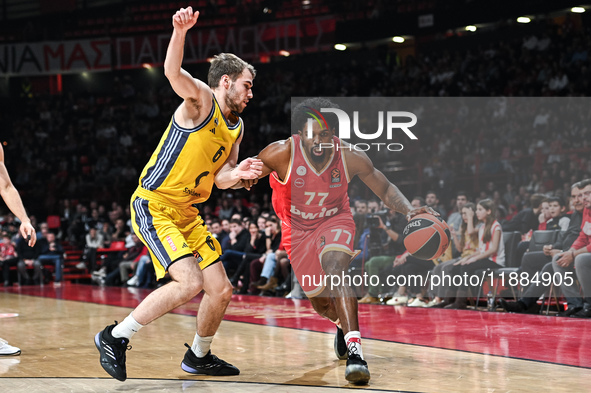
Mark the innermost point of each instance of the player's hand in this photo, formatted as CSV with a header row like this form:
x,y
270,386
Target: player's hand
x,y
250,168
28,233
185,18
248,183
421,210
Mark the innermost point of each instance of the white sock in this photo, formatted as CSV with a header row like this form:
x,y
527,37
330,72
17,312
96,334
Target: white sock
x,y
353,340
201,345
127,328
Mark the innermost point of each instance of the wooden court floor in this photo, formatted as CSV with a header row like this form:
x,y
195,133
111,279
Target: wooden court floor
x,y
55,330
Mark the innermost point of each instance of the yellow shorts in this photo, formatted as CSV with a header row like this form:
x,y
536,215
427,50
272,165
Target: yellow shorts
x,y
171,233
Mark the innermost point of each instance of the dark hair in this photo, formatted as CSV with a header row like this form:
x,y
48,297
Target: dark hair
x,y
488,204
236,221
227,64
362,201
460,193
300,116
464,226
420,199
557,199
537,199
431,192
576,185
215,222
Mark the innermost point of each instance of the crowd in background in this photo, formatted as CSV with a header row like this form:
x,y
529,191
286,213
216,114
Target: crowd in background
x,y
78,155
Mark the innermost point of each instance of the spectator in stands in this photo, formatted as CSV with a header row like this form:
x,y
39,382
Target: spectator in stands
x,y
110,274
541,261
216,230
255,248
394,246
43,229
261,223
144,273
76,230
558,218
8,257
239,208
224,212
94,240
490,254
578,259
433,202
239,238
129,265
106,232
527,219
373,206
544,216
94,221
225,242
120,232
466,242
27,257
261,270
283,272
455,219
50,250
360,218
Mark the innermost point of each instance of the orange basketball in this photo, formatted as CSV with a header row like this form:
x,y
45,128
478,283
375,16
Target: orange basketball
x,y
426,236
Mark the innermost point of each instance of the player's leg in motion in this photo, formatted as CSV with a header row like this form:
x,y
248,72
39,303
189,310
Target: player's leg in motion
x,y
218,292
112,342
339,304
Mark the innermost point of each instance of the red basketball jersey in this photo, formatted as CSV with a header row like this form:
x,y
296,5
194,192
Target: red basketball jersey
x,y
306,198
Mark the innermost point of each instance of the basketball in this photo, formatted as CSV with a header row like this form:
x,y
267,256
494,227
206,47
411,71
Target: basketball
x,y
426,236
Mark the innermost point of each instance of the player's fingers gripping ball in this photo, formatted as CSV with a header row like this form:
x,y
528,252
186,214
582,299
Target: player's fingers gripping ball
x,y
426,236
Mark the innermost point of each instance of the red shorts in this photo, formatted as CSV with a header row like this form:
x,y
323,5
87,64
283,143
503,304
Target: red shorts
x,y
306,247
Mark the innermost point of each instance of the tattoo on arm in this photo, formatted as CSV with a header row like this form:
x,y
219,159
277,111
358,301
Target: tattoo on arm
x,y
396,200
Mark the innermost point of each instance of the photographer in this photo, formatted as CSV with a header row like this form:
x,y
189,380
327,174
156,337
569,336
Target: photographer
x,y
383,255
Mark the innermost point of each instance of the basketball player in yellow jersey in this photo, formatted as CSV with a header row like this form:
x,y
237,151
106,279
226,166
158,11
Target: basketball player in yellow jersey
x,y
199,148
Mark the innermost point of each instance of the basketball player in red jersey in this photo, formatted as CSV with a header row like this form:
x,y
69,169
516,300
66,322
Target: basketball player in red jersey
x,y
310,183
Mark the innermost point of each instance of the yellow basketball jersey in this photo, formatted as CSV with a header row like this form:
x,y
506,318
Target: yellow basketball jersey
x,y
183,166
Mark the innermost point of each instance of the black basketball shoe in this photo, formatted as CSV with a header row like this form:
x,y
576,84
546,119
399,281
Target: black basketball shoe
x,y
357,372
340,346
112,352
207,365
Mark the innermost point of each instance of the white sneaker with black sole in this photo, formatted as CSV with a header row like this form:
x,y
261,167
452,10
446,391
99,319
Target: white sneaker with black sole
x,y
7,349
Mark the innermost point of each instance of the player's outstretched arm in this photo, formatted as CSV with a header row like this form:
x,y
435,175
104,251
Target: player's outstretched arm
x,y
274,158
230,174
13,200
181,81
358,163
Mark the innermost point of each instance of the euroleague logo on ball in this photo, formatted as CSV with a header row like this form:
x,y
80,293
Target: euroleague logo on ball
x,y
426,236
414,223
